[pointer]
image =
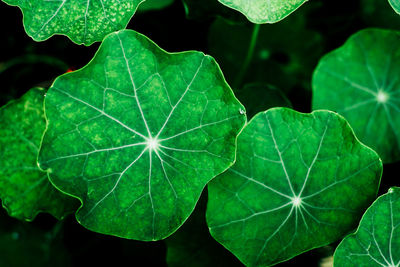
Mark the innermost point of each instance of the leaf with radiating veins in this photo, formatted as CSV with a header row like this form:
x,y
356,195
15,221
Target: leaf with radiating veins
x,y
300,181
25,189
138,133
84,22
264,11
360,80
377,240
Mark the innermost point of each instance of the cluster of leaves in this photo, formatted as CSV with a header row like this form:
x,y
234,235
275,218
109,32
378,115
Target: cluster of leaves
x,y
130,141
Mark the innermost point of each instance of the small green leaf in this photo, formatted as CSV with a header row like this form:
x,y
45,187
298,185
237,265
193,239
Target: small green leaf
x,y
264,11
292,187
137,134
84,22
396,5
360,81
24,189
377,240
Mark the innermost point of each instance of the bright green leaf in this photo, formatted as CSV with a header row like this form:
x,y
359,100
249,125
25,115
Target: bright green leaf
x,y
84,22
396,5
24,189
264,11
300,181
377,240
137,134
360,81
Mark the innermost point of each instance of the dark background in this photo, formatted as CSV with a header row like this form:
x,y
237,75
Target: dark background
x,y
25,64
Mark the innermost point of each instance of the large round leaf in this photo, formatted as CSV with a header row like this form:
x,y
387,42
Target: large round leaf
x,y
377,240
293,186
264,11
137,134
360,80
25,189
84,22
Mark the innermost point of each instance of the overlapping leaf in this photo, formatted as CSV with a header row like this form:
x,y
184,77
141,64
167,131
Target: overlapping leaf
x,y
377,240
300,181
137,134
264,11
360,80
24,189
84,22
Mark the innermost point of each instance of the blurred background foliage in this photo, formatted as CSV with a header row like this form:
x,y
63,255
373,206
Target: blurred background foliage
x,y
267,65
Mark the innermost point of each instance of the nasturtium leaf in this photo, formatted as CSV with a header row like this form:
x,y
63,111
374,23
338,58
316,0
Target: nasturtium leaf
x,y
25,189
264,11
396,5
84,22
377,240
300,181
154,5
360,81
137,134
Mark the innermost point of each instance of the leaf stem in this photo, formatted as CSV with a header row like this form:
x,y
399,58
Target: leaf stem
x,y
250,53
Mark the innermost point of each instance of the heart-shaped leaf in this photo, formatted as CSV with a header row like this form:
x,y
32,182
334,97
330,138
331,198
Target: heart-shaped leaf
x,y
264,11
138,133
84,22
25,189
360,80
377,240
292,187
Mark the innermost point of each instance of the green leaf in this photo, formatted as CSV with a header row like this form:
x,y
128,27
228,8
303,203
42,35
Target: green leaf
x,y
137,134
360,81
154,5
264,11
83,22
24,189
292,187
377,240
396,5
